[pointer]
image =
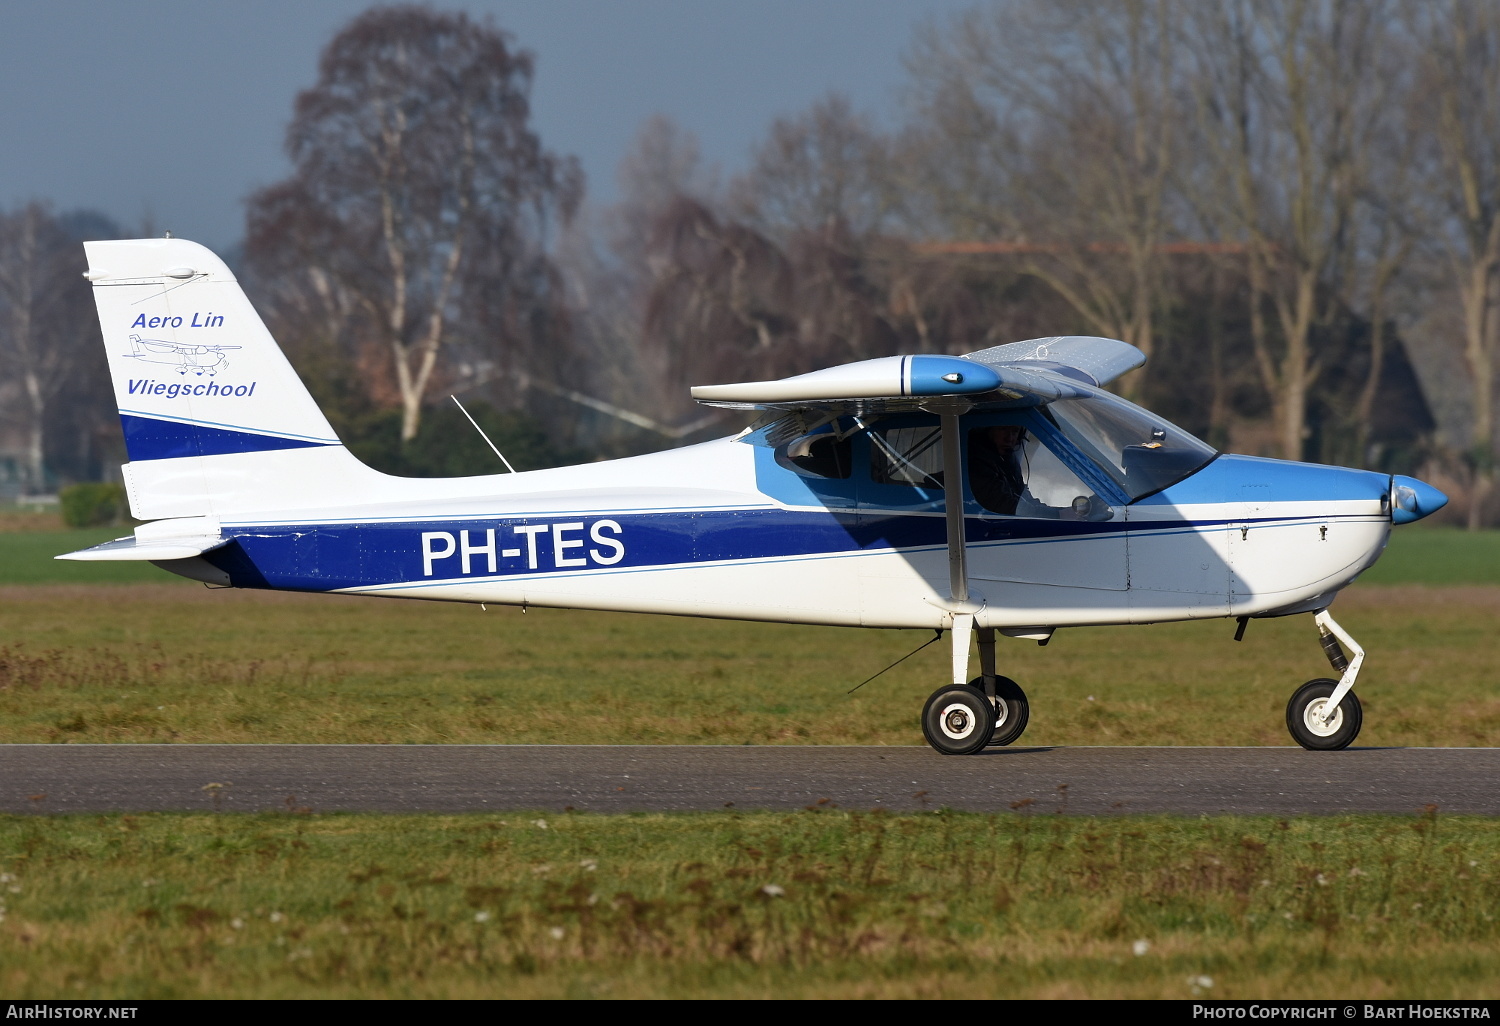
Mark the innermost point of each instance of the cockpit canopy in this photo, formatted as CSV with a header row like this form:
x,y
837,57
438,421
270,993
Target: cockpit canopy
x,y
1076,458
1141,452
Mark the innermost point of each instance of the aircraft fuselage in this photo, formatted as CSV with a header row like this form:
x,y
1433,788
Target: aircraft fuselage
x,y
1241,536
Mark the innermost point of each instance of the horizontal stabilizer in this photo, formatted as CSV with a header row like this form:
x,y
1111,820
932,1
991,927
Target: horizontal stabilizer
x,y
1100,359
165,539
135,549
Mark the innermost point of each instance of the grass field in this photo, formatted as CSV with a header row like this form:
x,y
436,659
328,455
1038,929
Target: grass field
x,y
1438,555
26,558
170,663
815,904
17,518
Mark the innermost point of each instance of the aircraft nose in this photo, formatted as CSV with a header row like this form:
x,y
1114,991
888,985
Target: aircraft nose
x,y
1412,499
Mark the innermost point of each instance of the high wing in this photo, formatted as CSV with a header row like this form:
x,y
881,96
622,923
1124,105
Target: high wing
x,y
1096,361
1019,374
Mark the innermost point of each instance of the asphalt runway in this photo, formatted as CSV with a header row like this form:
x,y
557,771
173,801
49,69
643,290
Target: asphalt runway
x,y
628,778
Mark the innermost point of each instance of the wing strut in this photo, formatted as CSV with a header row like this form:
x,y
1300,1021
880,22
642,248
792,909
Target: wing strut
x,y
962,606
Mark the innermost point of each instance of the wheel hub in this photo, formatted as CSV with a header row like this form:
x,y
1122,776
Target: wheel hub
x,y
1312,718
957,721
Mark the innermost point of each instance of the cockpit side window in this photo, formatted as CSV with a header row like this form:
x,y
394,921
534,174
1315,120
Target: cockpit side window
x,y
823,455
1140,452
911,456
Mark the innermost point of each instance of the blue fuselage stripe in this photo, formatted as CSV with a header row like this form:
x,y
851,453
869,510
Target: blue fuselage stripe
x,y
328,557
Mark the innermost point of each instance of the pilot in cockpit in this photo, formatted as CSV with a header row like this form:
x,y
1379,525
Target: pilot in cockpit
x,y
995,474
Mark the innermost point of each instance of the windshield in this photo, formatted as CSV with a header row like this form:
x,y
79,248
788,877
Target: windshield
x,y
1142,452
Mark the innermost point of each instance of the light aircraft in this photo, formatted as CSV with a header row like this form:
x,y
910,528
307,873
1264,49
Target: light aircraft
x,y
1003,492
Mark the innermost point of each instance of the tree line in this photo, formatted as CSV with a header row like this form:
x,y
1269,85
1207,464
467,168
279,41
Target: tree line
x,y
1293,206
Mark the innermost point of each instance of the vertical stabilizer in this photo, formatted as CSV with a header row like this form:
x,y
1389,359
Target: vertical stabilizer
x,y
203,389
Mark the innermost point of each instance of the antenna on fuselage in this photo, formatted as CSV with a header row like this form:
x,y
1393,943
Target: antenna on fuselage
x,y
482,434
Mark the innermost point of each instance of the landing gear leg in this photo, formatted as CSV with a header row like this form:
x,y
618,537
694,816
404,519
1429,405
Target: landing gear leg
x,y
1012,710
963,630
1324,714
959,719
987,661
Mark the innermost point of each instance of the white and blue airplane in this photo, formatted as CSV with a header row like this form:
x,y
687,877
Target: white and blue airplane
x,y
1002,492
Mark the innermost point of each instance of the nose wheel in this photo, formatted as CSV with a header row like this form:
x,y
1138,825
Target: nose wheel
x,y
1309,720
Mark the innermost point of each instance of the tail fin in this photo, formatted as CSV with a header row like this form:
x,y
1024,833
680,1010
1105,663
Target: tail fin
x,y
216,420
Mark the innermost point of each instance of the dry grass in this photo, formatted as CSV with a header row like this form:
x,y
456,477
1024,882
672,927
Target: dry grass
x,y
12,520
122,663
813,904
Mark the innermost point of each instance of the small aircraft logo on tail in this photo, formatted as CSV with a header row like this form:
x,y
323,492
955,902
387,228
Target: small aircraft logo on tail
x,y
185,357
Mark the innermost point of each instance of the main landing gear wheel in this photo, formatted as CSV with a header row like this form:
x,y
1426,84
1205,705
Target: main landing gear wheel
x,y
958,720
1012,710
1304,717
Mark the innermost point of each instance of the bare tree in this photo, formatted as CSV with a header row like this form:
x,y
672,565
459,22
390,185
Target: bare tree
x,y
1289,98
609,269
1456,106
820,186
664,164
823,168
415,165
1386,233
784,276
40,293
720,300
1053,126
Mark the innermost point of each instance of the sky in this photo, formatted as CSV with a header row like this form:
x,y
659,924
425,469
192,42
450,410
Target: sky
x,y
173,113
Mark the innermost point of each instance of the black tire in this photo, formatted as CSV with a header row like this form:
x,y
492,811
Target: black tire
x,y
1311,734
1012,710
958,720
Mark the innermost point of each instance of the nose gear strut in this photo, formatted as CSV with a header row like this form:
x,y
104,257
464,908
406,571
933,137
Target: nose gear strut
x,y
1323,714
1330,634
